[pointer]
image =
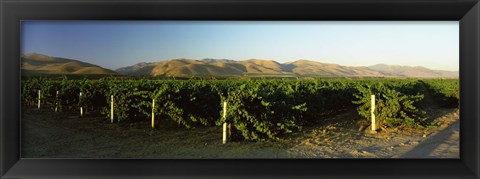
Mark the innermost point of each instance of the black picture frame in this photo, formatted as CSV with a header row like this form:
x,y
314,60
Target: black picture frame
x,y
467,12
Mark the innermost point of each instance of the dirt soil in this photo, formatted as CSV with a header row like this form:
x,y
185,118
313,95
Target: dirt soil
x,y
46,134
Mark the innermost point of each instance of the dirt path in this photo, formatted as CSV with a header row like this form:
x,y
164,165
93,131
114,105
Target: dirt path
x,y
337,141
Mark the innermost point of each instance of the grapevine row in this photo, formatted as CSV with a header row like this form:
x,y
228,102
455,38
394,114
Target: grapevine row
x,y
258,109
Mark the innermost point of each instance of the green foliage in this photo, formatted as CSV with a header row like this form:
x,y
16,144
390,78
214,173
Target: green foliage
x,y
263,109
257,109
393,108
446,91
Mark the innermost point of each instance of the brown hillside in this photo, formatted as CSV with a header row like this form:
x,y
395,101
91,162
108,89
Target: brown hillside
x,y
418,71
41,64
262,66
306,67
188,67
213,67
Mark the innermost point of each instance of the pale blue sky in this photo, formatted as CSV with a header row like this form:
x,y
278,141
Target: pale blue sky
x,y
114,44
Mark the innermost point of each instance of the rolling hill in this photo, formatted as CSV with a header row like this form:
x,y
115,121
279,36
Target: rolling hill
x,y
35,63
417,71
223,67
211,67
306,67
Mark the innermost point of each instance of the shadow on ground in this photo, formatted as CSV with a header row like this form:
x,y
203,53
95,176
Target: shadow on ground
x,y
433,147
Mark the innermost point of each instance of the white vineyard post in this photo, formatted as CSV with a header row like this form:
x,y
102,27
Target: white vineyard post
x,y
153,113
81,107
224,139
56,102
111,108
374,124
39,95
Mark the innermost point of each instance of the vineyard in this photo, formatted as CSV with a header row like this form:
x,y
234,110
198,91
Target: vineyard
x,y
255,109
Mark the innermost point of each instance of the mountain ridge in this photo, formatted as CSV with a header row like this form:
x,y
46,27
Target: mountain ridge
x,y
182,67
35,63
302,67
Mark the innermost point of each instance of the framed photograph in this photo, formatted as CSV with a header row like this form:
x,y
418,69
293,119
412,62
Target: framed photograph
x,y
246,89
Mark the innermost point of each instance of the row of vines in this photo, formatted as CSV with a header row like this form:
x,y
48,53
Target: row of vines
x,y
258,109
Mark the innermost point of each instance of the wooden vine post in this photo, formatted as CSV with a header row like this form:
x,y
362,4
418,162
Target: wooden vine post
x,y
153,113
81,107
224,138
374,122
39,95
111,108
56,102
